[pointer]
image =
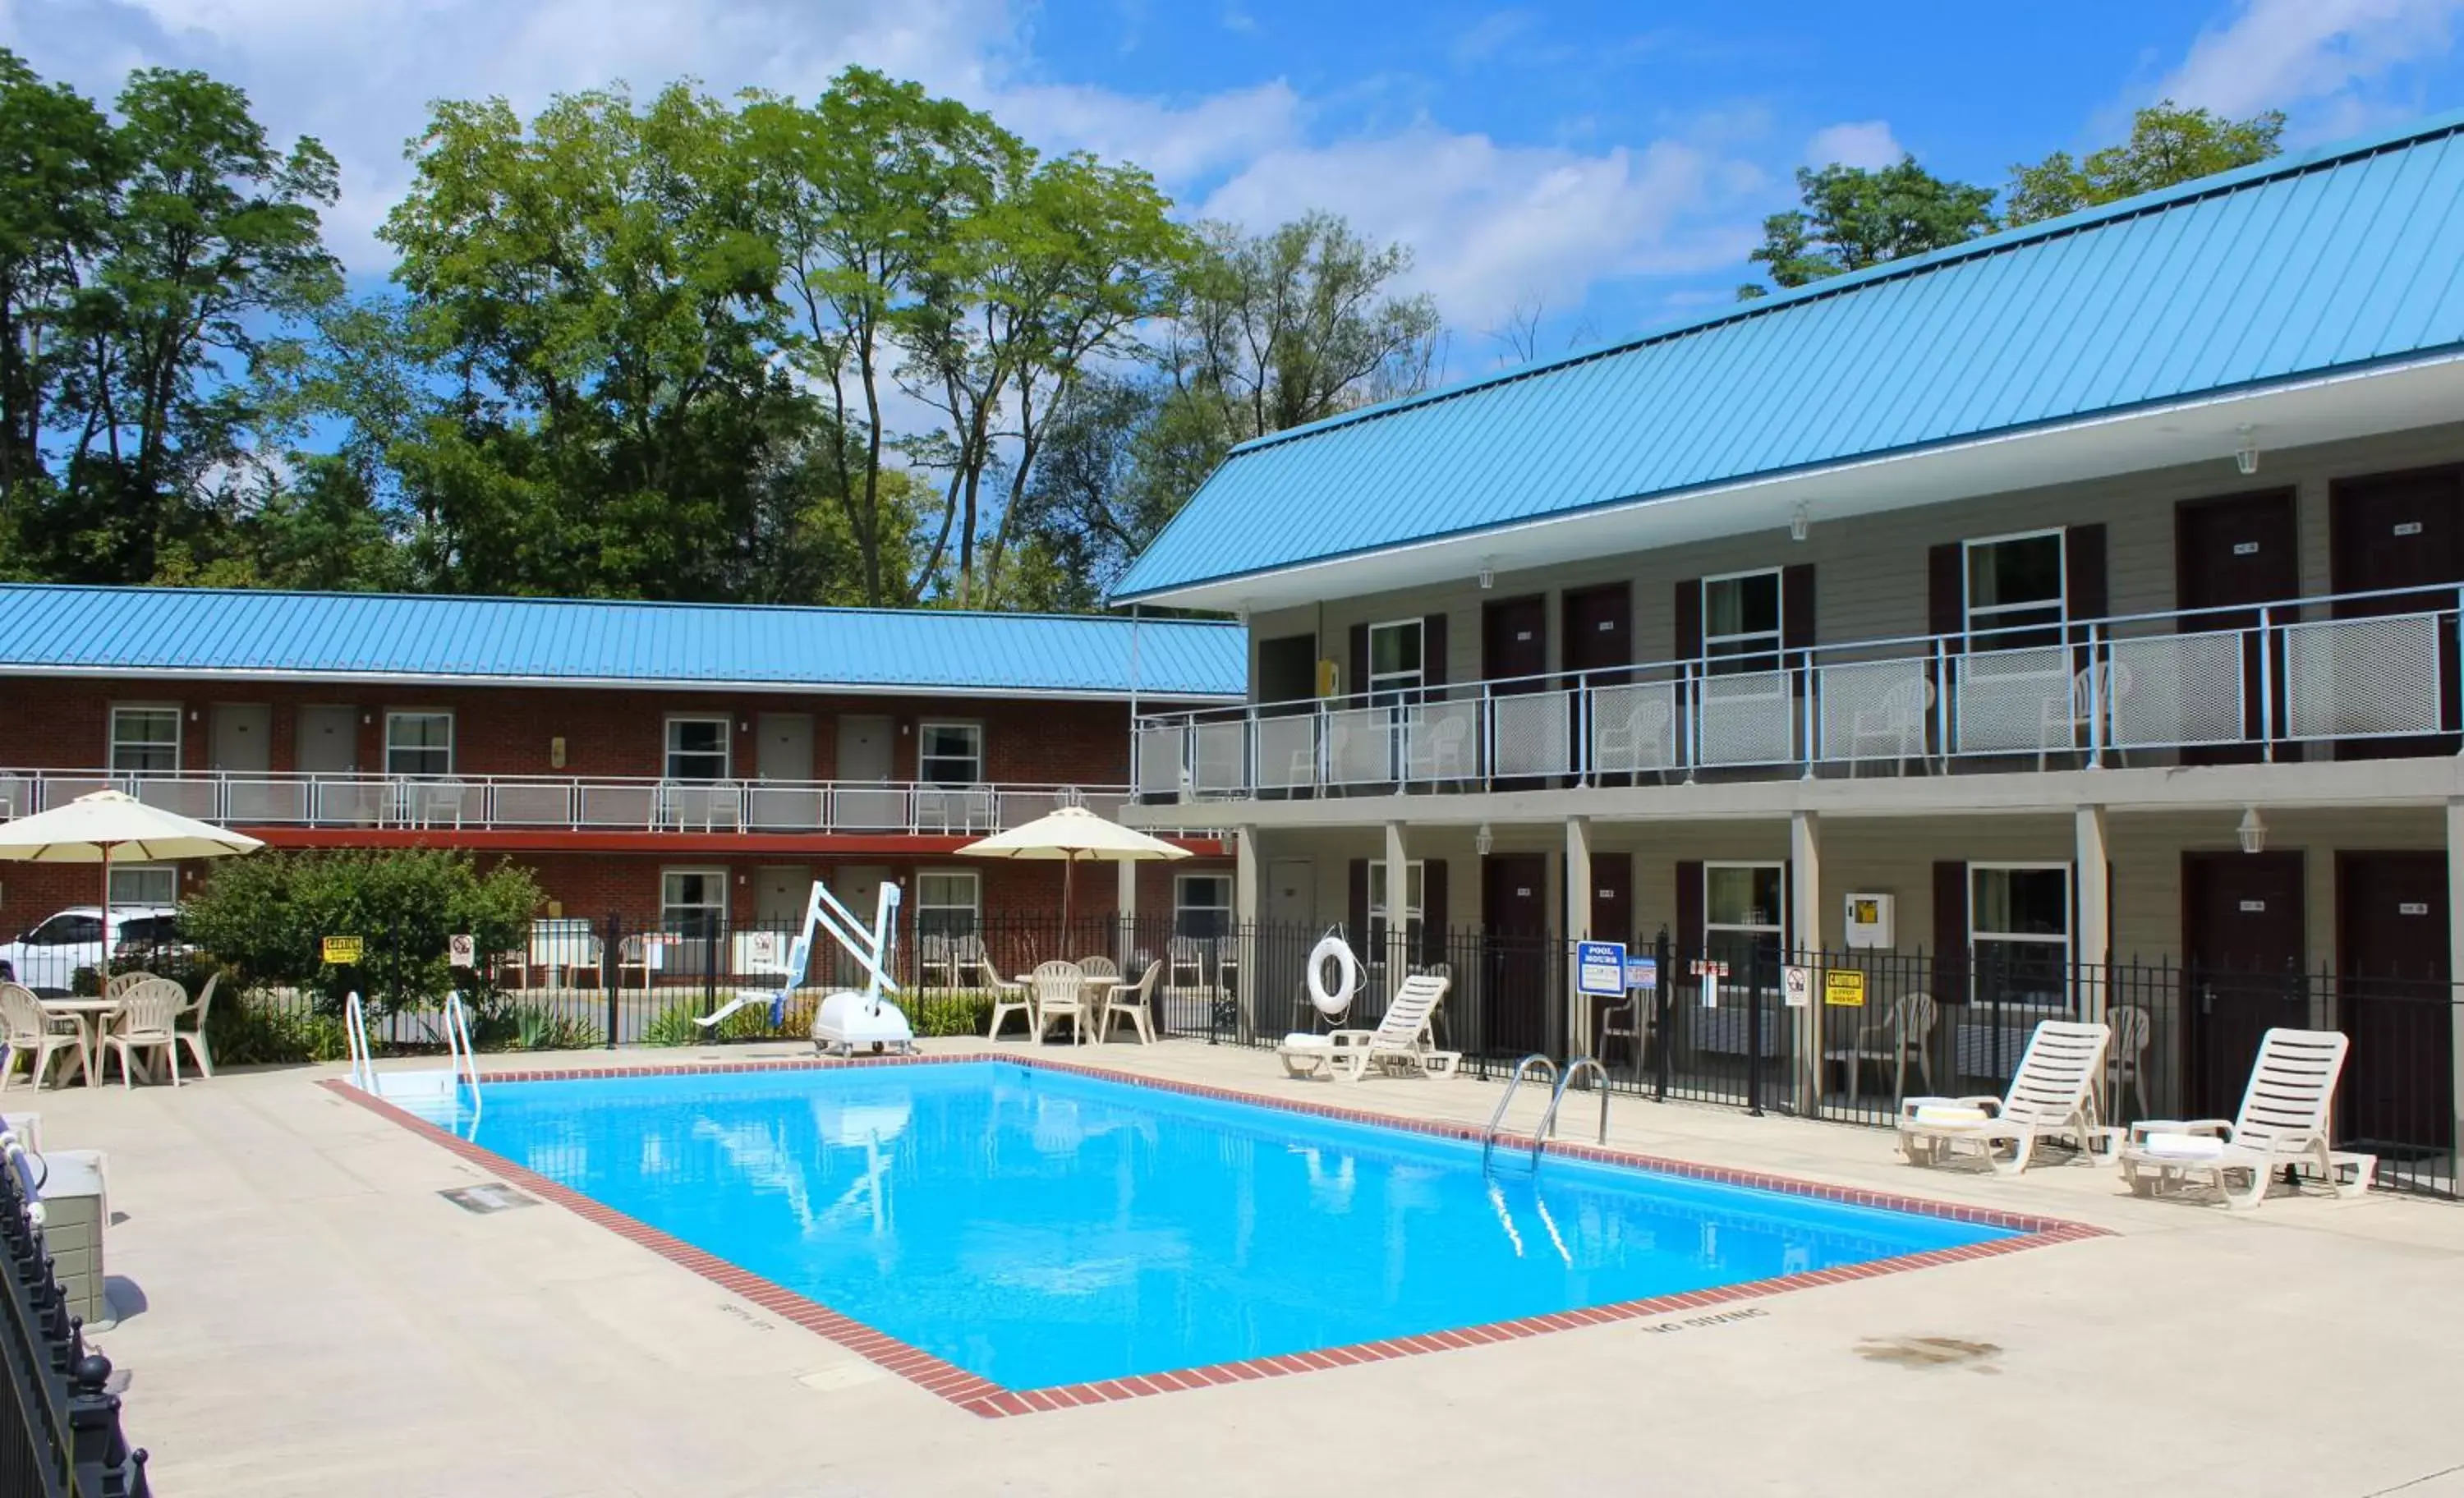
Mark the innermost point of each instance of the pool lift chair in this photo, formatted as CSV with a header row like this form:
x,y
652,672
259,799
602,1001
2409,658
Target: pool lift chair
x,y
846,1020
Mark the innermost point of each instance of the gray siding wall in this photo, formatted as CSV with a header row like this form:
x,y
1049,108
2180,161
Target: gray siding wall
x,y
1871,582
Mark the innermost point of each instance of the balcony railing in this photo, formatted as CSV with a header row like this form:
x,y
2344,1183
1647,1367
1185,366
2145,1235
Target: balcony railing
x,y
532,802
2253,682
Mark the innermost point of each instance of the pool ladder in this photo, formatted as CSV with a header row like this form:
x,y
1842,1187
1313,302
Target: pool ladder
x,y
1556,1100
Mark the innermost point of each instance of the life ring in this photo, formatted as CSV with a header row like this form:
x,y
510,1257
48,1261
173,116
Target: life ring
x,y
1337,951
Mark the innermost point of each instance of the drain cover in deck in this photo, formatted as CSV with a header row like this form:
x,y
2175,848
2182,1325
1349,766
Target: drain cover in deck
x,y
493,1196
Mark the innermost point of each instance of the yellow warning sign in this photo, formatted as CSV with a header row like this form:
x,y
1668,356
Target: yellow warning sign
x,y
1844,986
342,951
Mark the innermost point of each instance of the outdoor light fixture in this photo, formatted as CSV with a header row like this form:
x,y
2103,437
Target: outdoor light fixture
x,y
1488,579
2246,457
1799,524
2252,833
1483,840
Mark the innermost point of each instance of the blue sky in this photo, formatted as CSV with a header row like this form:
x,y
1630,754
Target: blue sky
x,y
1608,164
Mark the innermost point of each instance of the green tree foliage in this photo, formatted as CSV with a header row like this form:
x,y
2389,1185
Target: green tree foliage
x,y
2168,145
1853,217
266,916
153,270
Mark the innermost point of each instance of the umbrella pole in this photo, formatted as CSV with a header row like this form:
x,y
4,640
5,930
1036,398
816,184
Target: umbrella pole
x,y
1069,872
103,964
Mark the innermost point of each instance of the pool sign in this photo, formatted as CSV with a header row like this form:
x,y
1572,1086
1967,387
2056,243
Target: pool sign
x,y
342,950
462,950
1599,967
1641,972
1843,987
1797,982
1710,973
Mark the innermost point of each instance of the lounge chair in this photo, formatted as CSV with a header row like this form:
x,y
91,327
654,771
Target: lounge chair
x,y
2050,1098
1400,1041
2283,1122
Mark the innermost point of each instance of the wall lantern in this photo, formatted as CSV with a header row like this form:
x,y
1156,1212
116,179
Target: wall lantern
x,y
2252,833
1483,840
1487,578
1798,523
2246,456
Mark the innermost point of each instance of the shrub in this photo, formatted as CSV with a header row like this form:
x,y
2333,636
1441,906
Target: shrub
x,y
266,916
252,1029
530,1026
948,1011
675,1025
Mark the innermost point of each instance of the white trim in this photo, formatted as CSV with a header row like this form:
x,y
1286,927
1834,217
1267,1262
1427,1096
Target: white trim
x,y
974,881
975,725
169,871
715,872
2069,895
1777,927
1418,625
1777,634
111,736
667,750
452,737
2061,600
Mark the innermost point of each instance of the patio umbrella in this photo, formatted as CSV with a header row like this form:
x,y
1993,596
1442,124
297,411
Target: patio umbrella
x,y
1069,835
107,824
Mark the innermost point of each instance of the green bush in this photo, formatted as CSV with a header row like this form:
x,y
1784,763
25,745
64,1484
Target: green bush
x,y
252,1029
674,1025
948,1011
530,1026
267,914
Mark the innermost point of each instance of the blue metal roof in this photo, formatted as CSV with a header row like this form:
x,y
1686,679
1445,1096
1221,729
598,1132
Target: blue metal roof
x,y
95,630
2335,260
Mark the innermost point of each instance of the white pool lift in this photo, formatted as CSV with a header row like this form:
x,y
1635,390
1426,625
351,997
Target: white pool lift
x,y
846,1020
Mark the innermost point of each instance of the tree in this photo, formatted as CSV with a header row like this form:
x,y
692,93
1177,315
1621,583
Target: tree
x,y
1853,217
2168,145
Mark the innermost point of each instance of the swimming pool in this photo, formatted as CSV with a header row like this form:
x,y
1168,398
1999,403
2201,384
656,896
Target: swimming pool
x,y
1038,1227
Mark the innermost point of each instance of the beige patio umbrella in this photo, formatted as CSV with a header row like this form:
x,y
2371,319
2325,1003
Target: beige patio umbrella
x,y
110,825
1070,834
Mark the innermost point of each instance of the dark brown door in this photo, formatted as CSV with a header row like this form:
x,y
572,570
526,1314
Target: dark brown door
x,y
1599,632
1514,642
2391,969
2243,918
1613,897
2229,553
1515,998
2401,531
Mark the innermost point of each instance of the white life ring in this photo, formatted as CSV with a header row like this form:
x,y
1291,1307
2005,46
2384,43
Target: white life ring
x,y
1335,1003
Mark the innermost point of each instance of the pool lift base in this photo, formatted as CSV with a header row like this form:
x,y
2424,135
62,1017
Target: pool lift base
x,y
847,1019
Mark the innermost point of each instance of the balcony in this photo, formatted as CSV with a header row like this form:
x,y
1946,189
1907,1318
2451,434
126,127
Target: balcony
x,y
2253,683
516,804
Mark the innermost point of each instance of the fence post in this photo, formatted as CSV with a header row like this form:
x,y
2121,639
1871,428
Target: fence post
x,y
1663,1012
1754,1031
611,962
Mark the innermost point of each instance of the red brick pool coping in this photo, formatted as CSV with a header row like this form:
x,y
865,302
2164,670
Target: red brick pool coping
x,y
980,1396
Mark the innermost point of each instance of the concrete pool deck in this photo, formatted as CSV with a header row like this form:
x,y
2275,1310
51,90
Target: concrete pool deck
x,y
315,1318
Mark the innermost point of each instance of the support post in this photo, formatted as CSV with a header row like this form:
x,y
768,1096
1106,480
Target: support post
x,y
1397,913
1805,934
2092,942
1248,873
1577,927
2456,954
1126,912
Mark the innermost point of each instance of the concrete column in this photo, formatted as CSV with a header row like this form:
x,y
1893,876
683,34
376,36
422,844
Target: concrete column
x,y
2455,943
1248,876
1125,910
2092,942
1399,906
1805,932
1577,928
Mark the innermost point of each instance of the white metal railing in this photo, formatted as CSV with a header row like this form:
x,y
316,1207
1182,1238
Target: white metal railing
x,y
574,804
2088,693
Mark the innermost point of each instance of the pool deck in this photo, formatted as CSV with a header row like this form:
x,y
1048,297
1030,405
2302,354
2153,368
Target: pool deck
x,y
316,1319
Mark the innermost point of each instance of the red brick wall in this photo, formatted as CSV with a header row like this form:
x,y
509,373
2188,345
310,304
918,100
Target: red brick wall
x,y
59,723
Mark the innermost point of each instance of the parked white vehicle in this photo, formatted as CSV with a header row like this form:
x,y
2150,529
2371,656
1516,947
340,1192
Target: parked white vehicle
x,y
46,958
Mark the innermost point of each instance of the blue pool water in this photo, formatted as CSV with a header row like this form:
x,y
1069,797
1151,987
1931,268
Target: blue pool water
x,y
1040,1229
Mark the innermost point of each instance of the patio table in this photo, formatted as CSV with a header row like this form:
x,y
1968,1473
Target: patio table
x,y
93,1017
1095,992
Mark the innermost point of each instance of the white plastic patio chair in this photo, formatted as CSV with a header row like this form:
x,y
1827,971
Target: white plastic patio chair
x,y
1400,1041
2132,1031
1009,997
1899,1039
145,1026
1060,992
2068,721
194,1034
2051,1097
1896,722
1187,960
118,984
1638,742
1438,750
935,962
1134,1002
38,1036
2283,1122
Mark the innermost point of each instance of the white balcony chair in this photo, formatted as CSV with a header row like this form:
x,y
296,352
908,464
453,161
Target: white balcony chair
x,y
1896,722
2068,724
1439,751
1639,741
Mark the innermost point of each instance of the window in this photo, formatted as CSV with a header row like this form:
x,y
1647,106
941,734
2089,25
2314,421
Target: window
x,y
145,741
1201,905
948,903
67,931
1394,659
1742,919
2014,592
2019,923
692,902
1740,622
1413,884
950,754
145,884
696,748
419,743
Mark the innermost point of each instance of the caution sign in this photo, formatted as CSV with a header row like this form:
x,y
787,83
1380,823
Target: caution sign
x,y
342,951
1843,987
1797,984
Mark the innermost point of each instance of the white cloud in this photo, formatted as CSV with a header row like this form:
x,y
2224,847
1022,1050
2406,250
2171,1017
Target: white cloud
x,y
1497,226
2321,53
1864,143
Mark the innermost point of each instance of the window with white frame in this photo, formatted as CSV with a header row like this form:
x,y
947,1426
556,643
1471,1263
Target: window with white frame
x,y
1414,883
948,902
419,743
145,741
1201,905
1744,919
145,884
698,748
1740,622
2019,927
950,754
1394,659
692,902
2014,592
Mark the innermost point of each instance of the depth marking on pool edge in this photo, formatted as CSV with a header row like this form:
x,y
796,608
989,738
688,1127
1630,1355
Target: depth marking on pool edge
x,y
980,1396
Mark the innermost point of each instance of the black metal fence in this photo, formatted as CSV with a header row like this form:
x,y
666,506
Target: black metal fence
x,y
60,1435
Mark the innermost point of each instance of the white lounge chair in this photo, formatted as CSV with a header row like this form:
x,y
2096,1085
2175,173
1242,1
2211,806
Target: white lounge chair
x,y
1400,1043
2050,1098
2283,1122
